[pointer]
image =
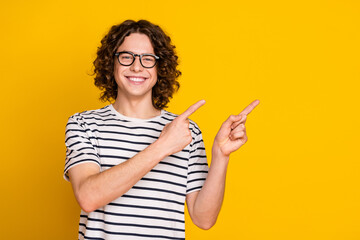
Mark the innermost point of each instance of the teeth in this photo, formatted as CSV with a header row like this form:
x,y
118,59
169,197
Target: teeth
x,y
135,79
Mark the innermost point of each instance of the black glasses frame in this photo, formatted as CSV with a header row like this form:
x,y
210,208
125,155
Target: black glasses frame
x,y
117,54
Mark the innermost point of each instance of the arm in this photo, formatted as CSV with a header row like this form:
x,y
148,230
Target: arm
x,y
94,189
204,205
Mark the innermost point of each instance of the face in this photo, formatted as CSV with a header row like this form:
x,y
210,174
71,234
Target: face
x,y
135,81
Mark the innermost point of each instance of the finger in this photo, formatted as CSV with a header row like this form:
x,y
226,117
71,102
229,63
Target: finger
x,y
249,108
237,135
191,109
237,123
239,127
231,119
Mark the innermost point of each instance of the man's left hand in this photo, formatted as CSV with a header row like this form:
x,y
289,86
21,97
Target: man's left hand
x,y
232,133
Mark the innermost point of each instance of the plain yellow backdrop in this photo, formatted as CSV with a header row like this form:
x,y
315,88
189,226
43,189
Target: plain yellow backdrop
x,y
298,175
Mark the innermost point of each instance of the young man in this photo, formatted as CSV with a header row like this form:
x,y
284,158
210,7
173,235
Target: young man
x,y
132,164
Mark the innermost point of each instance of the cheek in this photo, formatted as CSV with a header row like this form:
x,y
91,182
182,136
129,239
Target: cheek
x,y
117,73
153,73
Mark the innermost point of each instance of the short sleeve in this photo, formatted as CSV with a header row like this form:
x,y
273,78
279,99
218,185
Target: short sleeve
x,y
198,166
79,147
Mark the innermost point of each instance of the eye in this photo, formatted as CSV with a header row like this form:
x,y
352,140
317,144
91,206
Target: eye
x,y
125,56
148,59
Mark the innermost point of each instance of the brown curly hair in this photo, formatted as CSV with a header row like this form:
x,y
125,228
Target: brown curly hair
x,y
167,73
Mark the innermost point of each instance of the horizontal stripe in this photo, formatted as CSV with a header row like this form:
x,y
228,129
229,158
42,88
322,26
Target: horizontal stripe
x,y
196,142
195,188
139,216
132,142
197,149
106,119
120,140
80,161
145,207
173,165
126,158
166,172
196,179
170,120
122,126
198,156
158,190
153,199
93,238
197,172
72,123
100,114
118,148
133,234
81,154
88,148
123,133
159,123
113,156
135,225
162,181
74,130
198,164
152,170
73,144
74,136
178,157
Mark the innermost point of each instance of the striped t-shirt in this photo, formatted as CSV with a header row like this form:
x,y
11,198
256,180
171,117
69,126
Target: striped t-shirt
x,y
154,207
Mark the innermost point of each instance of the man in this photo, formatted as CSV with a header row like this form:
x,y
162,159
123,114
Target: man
x,y
132,164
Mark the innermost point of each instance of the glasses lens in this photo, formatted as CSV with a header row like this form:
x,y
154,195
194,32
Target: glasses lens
x,y
126,58
148,61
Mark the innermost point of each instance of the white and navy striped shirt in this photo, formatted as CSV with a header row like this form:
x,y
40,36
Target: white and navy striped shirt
x,y
154,207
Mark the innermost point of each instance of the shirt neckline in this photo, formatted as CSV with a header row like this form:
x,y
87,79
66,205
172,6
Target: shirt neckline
x,y
135,119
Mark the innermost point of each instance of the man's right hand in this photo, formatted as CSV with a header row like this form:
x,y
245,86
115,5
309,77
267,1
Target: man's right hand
x,y
176,135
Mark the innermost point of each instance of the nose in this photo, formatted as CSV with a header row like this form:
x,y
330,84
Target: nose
x,y
136,66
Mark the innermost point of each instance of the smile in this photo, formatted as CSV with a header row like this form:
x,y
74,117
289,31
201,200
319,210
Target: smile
x,y
136,79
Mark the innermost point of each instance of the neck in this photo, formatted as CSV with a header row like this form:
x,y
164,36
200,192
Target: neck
x,y
136,108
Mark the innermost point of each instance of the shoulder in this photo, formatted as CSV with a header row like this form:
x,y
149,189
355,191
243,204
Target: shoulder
x,y
168,115
91,116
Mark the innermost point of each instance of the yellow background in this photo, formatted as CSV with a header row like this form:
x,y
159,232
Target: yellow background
x,y
298,175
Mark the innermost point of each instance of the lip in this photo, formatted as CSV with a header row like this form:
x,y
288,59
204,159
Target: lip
x,y
136,79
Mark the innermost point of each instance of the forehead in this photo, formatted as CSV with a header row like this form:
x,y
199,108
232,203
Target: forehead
x,y
137,43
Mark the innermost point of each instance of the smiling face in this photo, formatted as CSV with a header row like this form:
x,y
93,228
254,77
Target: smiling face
x,y
135,81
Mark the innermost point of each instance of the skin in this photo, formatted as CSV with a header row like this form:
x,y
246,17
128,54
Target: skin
x,y
134,98
94,189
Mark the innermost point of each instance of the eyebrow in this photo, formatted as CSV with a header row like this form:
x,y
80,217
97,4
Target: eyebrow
x,y
136,53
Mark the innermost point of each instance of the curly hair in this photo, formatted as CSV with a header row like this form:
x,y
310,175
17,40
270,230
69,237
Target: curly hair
x,y
167,73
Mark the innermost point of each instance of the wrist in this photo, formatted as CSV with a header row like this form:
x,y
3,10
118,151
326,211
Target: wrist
x,y
218,154
219,163
162,151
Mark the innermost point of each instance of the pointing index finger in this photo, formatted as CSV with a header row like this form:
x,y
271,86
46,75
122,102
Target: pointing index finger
x,y
191,109
249,108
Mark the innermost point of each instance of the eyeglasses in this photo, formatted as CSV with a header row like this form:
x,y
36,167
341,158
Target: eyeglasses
x,y
147,60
